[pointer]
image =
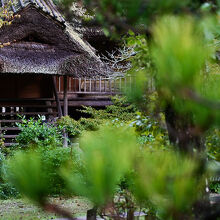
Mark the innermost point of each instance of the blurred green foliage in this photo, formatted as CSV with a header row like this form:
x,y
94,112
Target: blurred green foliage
x,y
124,14
109,158
178,57
180,60
106,158
52,159
35,172
169,181
178,69
26,172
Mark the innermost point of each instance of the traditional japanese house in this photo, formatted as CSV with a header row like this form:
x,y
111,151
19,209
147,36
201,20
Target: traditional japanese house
x,y
36,49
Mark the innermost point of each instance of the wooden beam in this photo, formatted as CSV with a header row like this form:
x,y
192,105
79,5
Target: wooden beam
x,y
59,109
94,103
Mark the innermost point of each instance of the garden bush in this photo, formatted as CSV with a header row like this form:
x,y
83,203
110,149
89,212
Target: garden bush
x,y
150,132
37,132
121,110
74,128
213,143
119,113
6,189
52,159
46,139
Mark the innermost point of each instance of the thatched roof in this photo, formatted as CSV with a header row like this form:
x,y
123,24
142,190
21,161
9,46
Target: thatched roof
x,y
41,42
47,6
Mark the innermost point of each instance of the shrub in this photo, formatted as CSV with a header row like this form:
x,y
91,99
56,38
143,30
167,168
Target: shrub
x,y
46,140
150,133
213,143
1,141
120,110
215,187
75,128
89,124
6,189
36,132
71,126
52,158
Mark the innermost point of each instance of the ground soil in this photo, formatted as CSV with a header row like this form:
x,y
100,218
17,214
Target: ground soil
x,y
21,209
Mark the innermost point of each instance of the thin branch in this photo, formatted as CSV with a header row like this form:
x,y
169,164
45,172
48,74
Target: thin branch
x,y
192,95
53,208
119,61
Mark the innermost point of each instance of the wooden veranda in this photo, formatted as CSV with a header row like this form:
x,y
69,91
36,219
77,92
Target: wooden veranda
x,y
95,92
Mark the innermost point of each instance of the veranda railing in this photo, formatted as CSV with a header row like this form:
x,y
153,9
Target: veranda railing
x,y
102,85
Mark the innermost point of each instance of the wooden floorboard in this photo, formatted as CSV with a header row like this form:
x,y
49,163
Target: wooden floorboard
x,y
9,120
27,113
9,129
10,136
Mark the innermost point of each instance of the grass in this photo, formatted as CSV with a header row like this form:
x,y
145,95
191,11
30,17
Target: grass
x,y
21,209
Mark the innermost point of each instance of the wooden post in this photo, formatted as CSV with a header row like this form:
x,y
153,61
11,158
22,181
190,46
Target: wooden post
x,y
75,89
59,88
104,84
65,106
110,85
59,109
65,98
79,84
90,85
70,83
100,84
84,84
94,85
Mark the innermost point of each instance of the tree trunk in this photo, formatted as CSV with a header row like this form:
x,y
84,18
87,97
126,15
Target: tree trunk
x,y
182,132
130,215
92,214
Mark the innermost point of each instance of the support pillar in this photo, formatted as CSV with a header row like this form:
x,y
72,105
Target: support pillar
x,y
59,109
65,107
65,98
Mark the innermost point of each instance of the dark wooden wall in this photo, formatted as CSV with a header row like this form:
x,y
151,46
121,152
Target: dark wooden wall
x,y
23,86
